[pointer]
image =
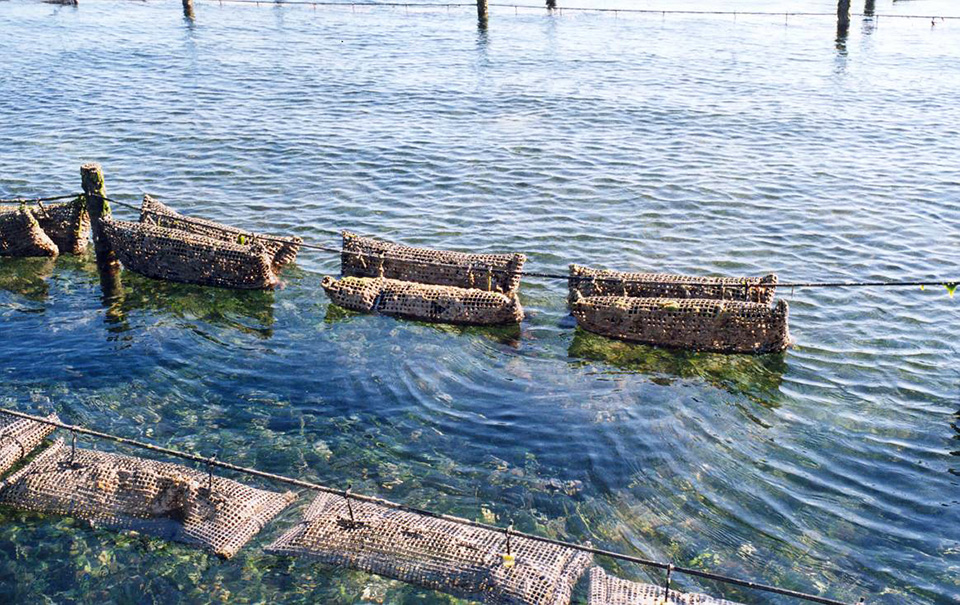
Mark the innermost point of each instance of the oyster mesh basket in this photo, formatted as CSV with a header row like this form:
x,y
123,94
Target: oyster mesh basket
x,y
603,282
19,437
434,553
21,234
180,256
610,590
157,498
67,224
698,324
367,257
442,304
281,253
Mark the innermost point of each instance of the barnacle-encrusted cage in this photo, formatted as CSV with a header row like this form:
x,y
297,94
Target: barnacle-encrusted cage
x,y
21,234
611,590
434,553
162,499
19,437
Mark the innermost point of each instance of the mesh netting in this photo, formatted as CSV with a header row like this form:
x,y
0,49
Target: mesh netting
x,y
281,252
157,498
442,304
21,235
698,324
434,553
603,282
19,437
610,590
184,257
67,224
366,257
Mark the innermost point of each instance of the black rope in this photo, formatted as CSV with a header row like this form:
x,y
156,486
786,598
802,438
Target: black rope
x,y
30,200
573,8
348,494
574,278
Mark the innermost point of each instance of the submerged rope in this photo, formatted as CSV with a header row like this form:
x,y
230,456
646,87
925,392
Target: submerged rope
x,y
571,278
348,494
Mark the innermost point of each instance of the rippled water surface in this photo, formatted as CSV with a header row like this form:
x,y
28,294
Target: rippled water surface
x,y
704,144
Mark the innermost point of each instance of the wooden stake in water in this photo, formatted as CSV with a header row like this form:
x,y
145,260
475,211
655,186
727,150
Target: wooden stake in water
x,y
483,12
94,191
843,18
551,4
188,9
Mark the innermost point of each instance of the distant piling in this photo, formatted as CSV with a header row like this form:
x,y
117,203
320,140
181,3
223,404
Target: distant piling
x,y
843,18
188,9
870,8
483,12
551,4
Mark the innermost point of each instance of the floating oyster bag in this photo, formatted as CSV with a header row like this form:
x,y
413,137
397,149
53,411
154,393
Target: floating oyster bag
x,y
434,553
442,304
367,257
610,590
67,224
19,437
587,282
157,498
698,324
184,257
282,250
21,235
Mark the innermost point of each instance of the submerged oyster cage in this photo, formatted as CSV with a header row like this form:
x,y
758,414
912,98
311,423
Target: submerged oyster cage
x,y
444,304
166,500
368,257
698,324
180,256
21,234
19,437
67,224
610,590
282,250
434,553
586,282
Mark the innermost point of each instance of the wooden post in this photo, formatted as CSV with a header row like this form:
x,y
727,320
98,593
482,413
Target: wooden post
x,y
843,18
482,12
188,9
91,178
869,7
551,4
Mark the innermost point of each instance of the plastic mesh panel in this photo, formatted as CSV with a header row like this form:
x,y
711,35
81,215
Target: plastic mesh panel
x,y
158,498
698,324
442,304
618,283
179,256
21,235
610,590
366,257
434,553
19,437
280,252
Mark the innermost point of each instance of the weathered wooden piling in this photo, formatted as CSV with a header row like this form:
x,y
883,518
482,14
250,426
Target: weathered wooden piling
x,y
869,8
94,191
843,18
551,4
188,9
483,12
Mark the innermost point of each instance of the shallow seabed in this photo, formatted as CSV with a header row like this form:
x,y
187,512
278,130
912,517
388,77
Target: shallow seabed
x,y
698,144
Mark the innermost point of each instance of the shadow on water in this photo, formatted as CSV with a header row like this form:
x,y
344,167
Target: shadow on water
x,y
508,335
27,277
757,377
249,311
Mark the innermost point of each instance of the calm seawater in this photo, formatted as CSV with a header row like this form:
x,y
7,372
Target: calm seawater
x,y
709,145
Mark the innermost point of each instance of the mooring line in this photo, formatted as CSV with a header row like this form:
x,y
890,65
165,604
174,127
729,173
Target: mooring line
x,y
348,493
32,200
575,278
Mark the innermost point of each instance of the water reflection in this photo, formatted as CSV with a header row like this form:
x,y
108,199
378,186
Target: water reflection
x,y
248,311
27,277
757,377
